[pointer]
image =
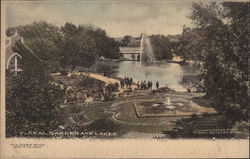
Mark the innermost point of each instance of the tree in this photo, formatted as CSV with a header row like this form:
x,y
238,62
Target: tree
x,y
79,48
190,41
126,40
83,44
42,30
68,46
106,46
161,47
44,39
30,106
225,48
47,51
110,49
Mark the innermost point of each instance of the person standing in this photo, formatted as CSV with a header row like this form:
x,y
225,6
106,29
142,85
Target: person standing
x,y
138,85
189,91
145,85
148,84
121,83
126,82
116,85
157,85
138,57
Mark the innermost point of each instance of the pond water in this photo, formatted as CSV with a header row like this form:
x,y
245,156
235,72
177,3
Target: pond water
x,y
173,75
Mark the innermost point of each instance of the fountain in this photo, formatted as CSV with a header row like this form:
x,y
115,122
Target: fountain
x,y
146,51
166,100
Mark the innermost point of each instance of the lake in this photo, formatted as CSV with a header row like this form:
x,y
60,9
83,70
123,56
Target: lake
x,y
173,75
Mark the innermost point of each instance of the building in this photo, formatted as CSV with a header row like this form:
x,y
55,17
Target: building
x,y
12,59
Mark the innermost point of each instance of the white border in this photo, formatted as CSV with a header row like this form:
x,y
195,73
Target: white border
x,y
119,148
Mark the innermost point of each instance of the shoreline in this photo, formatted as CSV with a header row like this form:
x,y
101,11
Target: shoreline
x,y
111,80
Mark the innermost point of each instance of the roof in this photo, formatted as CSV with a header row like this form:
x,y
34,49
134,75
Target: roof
x,y
10,43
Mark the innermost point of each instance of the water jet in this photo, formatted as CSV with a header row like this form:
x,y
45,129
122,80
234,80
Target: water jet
x,y
146,51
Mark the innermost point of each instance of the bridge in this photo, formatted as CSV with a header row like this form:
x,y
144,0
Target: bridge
x,y
134,53
130,50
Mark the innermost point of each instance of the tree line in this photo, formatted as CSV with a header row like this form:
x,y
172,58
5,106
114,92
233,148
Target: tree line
x,y
68,46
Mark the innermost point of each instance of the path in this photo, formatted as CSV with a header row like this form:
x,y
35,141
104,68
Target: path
x,y
106,80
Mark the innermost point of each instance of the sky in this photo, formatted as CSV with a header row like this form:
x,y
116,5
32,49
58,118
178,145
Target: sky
x,y
118,18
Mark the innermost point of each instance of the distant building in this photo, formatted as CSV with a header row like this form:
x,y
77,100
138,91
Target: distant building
x,y
12,58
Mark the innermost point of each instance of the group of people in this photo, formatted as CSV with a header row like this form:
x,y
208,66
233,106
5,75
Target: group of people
x,y
146,85
102,91
127,81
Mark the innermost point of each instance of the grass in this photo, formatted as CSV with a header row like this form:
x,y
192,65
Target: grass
x,y
97,111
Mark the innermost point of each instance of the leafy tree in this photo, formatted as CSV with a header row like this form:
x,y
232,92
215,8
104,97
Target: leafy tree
x,y
30,107
44,39
39,29
106,46
47,51
79,48
126,40
190,41
84,43
161,47
225,47
111,49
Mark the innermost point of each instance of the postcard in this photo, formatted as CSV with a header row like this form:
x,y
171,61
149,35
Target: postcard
x,y
124,79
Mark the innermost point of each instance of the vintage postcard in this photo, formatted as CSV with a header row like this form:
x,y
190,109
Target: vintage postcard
x,y
105,79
